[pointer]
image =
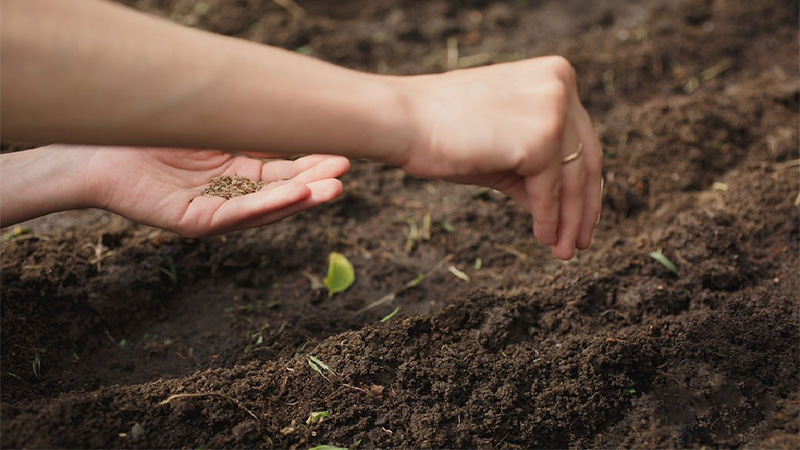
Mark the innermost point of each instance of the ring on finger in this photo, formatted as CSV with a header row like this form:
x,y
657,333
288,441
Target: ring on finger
x,y
573,156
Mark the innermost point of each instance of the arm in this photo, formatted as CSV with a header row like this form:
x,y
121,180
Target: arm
x,y
93,72
124,78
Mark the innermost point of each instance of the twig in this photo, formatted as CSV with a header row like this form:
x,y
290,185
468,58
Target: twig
x,y
210,394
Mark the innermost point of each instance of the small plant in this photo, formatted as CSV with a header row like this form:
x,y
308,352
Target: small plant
x,y
319,366
16,232
317,416
37,365
390,315
258,339
659,256
170,271
340,274
333,447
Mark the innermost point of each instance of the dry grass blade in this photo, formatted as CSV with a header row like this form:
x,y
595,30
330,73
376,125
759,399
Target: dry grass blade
x,y
209,394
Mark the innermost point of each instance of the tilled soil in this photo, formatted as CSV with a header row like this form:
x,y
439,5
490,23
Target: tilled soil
x,y
696,103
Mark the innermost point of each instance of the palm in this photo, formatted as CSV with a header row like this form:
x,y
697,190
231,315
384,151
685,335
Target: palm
x,y
161,187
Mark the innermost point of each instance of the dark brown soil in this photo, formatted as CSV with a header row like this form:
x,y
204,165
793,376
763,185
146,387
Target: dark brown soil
x,y
697,105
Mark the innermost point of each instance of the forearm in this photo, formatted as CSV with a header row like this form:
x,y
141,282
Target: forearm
x,y
124,78
43,181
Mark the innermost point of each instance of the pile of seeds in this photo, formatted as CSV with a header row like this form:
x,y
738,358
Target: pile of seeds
x,y
229,187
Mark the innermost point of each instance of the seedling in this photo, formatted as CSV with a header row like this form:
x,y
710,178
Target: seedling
x,y
659,256
16,232
258,339
333,447
390,315
340,274
447,226
459,274
413,232
37,365
319,366
101,252
317,416
170,271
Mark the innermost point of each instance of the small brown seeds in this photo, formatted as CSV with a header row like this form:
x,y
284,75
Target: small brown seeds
x,y
230,187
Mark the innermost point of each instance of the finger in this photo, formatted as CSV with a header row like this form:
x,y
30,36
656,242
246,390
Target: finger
x,y
593,163
207,215
331,167
571,213
284,170
322,191
543,193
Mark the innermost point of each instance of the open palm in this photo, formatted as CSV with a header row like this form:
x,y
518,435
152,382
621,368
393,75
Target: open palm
x,y
161,187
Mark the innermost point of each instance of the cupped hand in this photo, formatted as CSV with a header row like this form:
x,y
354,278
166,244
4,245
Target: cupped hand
x,y
162,187
509,127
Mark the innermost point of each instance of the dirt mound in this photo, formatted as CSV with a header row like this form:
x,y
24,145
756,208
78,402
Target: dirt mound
x,y
697,107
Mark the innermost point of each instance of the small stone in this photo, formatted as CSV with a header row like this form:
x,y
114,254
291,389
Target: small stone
x,y
137,432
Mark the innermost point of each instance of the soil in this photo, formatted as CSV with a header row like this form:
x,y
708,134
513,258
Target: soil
x,y
696,103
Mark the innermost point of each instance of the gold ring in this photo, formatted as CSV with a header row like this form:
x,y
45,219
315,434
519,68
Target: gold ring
x,y
573,156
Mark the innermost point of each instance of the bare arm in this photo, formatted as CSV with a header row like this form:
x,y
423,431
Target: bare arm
x,y
96,73
93,72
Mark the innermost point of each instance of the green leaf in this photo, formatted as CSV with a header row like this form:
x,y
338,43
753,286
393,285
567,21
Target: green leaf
x,y
317,416
319,362
340,274
390,315
659,256
316,368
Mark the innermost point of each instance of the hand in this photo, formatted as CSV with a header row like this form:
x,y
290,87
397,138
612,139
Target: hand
x,y
509,127
161,187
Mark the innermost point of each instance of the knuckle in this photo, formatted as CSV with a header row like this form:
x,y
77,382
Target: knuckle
x,y
553,129
563,69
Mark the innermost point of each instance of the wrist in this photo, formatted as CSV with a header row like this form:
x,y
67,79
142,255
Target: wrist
x,y
45,180
395,126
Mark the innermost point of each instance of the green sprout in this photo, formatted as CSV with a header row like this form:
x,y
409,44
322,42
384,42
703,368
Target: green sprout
x,y
170,271
340,274
659,256
319,366
333,447
390,315
317,416
37,365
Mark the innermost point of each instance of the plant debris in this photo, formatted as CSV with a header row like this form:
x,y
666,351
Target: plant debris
x,y
230,187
